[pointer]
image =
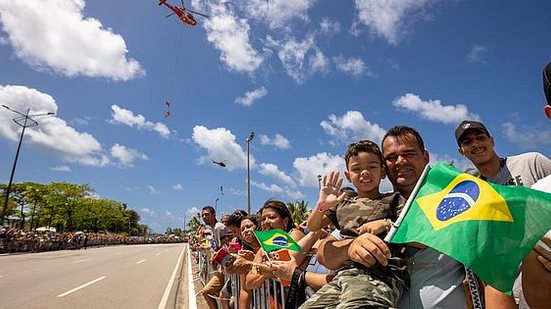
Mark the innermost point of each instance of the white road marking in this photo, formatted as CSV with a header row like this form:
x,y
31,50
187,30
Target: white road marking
x,y
162,304
80,261
192,304
81,287
139,262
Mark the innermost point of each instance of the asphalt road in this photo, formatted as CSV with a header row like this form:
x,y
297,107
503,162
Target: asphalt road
x,y
137,276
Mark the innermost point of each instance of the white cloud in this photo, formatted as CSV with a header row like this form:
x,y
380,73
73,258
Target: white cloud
x,y
272,170
434,110
391,20
80,121
319,62
477,54
292,54
168,213
127,117
230,35
221,146
273,188
279,141
308,169
126,156
60,168
152,190
278,13
352,66
237,192
352,127
192,212
461,164
147,211
329,27
277,191
177,187
527,137
53,133
54,35
251,96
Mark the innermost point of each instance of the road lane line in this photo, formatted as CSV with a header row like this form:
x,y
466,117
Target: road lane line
x,y
139,262
83,260
162,304
81,287
192,299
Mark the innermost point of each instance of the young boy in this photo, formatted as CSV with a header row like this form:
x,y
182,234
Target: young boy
x,y
355,285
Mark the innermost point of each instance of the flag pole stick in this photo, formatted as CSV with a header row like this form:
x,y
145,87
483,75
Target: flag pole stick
x,y
411,197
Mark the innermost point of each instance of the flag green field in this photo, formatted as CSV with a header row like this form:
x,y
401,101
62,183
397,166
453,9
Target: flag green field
x,y
276,239
490,228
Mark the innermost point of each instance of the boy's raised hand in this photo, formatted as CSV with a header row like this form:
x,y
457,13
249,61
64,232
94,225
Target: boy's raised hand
x,y
329,192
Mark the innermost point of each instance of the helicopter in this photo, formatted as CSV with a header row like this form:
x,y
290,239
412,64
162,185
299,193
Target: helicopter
x,y
221,163
184,14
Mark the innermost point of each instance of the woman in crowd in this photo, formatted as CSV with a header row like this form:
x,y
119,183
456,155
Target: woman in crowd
x,y
275,215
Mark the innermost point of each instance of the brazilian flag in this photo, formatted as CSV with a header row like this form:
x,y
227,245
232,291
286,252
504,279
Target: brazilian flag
x,y
276,239
489,228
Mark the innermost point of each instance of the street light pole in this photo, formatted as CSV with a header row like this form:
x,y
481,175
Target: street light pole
x,y
216,204
319,182
28,121
248,140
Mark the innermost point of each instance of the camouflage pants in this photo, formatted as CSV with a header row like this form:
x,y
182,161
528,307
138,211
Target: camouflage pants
x,y
356,288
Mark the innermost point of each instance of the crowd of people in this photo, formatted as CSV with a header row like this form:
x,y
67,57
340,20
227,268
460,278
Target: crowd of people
x,y
344,262
13,240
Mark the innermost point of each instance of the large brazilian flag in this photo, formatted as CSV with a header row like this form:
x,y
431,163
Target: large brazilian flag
x,y
490,228
276,239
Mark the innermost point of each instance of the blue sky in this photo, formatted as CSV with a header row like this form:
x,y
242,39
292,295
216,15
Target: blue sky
x,y
307,77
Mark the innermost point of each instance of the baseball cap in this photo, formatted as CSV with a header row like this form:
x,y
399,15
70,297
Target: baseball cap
x,y
547,82
469,125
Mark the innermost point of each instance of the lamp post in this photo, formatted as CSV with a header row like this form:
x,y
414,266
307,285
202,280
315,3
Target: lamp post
x,y
248,140
185,213
319,182
23,120
216,204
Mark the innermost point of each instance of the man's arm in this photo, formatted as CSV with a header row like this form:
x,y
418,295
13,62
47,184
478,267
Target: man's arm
x,y
536,276
366,249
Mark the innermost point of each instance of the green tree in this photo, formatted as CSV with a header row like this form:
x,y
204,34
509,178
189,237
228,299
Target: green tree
x,y
35,194
132,220
68,197
299,211
195,223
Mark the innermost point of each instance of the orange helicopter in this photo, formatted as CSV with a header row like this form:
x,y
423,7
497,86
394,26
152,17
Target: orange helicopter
x,y
185,15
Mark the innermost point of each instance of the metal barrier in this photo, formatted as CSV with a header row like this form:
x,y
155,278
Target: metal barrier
x,y
270,295
205,267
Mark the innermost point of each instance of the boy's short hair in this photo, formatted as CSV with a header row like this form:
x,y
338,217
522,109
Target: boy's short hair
x,y
364,145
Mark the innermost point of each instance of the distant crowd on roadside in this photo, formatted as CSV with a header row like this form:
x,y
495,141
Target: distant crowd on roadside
x,y
16,240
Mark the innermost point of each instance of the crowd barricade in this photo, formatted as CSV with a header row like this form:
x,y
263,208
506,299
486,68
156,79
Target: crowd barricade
x,y
205,267
269,296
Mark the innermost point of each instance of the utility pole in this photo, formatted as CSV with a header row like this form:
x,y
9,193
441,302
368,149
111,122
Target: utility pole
x,y
248,140
24,120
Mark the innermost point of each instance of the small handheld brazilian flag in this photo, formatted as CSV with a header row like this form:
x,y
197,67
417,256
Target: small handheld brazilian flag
x,y
276,239
488,227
